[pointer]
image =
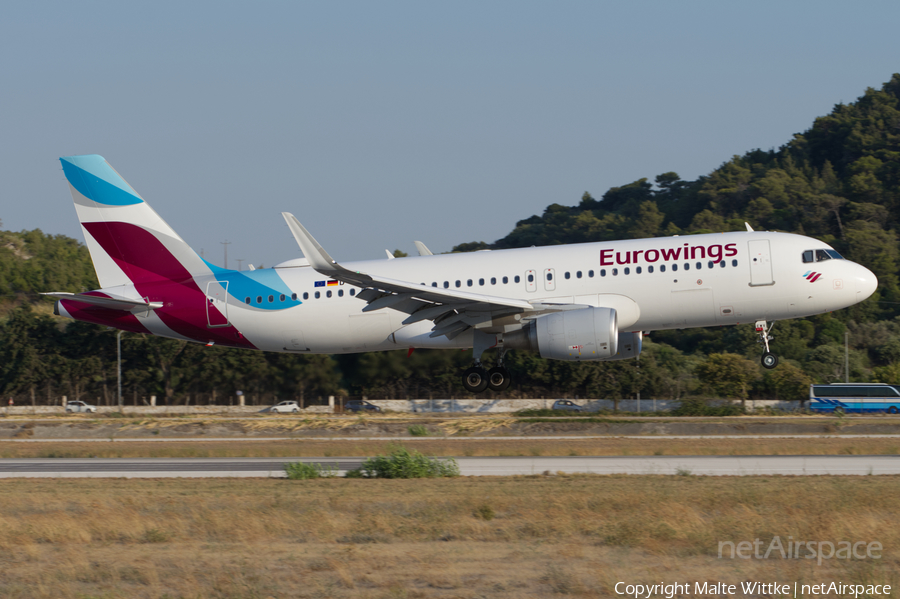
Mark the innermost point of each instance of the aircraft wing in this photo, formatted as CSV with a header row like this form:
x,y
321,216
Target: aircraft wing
x,y
452,311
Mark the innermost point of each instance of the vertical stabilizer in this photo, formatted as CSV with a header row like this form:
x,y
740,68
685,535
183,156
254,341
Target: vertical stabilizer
x,y
128,241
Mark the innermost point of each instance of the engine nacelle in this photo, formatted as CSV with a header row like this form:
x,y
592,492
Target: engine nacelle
x,y
572,335
630,345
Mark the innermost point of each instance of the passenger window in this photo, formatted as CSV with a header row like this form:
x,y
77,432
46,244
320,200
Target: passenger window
x,y
674,267
481,281
531,278
650,269
247,301
493,280
516,279
549,276
722,263
434,284
568,276
578,275
637,270
602,272
293,296
458,284
733,263
340,293
506,280
627,271
352,292
469,283
662,268
807,256
699,265
281,297
687,265
271,298
710,265
615,271
591,274
258,299
328,293
446,284
306,295
318,294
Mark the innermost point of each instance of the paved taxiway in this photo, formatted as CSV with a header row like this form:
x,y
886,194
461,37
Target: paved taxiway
x,y
469,466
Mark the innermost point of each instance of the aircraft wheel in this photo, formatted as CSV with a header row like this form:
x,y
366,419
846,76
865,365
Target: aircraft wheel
x,y
475,379
498,379
769,360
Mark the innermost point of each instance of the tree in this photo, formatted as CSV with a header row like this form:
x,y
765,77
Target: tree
x,y
728,375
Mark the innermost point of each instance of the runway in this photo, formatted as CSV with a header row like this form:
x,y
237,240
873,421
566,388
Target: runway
x,y
469,466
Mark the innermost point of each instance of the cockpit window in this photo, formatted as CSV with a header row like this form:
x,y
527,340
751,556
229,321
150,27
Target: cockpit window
x,y
820,256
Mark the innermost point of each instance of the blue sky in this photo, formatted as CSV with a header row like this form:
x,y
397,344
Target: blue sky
x,y
377,123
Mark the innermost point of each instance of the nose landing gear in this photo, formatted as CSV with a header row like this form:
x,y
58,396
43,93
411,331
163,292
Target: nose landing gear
x,y
769,360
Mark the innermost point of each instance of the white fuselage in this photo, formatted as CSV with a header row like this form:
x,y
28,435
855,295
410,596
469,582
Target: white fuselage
x,y
726,278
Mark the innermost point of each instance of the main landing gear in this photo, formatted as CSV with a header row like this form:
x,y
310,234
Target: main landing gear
x,y
476,379
769,360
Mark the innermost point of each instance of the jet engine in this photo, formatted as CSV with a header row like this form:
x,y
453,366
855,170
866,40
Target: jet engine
x,y
629,346
574,335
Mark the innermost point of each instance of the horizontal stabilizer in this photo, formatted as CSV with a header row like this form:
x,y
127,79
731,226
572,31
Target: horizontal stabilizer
x,y
112,303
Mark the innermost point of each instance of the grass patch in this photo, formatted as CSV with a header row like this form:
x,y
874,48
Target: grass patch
x,y
549,535
307,471
700,407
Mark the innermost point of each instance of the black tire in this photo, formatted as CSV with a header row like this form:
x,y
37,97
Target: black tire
x,y
498,379
769,360
475,379
893,410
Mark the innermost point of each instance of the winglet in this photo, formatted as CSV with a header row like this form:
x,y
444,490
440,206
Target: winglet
x,y
423,250
312,250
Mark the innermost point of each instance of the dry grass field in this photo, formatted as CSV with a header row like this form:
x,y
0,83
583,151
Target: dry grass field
x,y
611,446
546,536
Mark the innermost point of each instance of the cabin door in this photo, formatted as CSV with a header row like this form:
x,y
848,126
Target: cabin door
x,y
760,263
217,304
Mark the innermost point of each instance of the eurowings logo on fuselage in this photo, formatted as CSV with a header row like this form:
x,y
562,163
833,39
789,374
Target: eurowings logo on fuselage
x,y
713,252
812,276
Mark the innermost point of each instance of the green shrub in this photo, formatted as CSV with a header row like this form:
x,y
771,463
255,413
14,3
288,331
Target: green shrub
x,y
418,430
306,471
402,463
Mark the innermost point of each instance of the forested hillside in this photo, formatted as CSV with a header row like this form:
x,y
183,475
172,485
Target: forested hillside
x,y
839,181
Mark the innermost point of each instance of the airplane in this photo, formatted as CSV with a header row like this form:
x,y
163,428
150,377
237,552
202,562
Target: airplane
x,y
578,302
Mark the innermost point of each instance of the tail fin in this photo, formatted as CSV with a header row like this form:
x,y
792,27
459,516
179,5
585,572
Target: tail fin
x,y
128,241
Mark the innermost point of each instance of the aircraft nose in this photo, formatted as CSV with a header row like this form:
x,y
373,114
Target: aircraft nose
x,y
866,283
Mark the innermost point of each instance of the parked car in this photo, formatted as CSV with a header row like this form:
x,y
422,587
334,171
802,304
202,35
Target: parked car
x,y
360,405
80,406
565,404
285,407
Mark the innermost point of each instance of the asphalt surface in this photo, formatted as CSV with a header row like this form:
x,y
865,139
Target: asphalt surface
x,y
469,466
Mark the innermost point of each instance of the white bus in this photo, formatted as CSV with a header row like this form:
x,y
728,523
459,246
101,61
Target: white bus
x,y
854,398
